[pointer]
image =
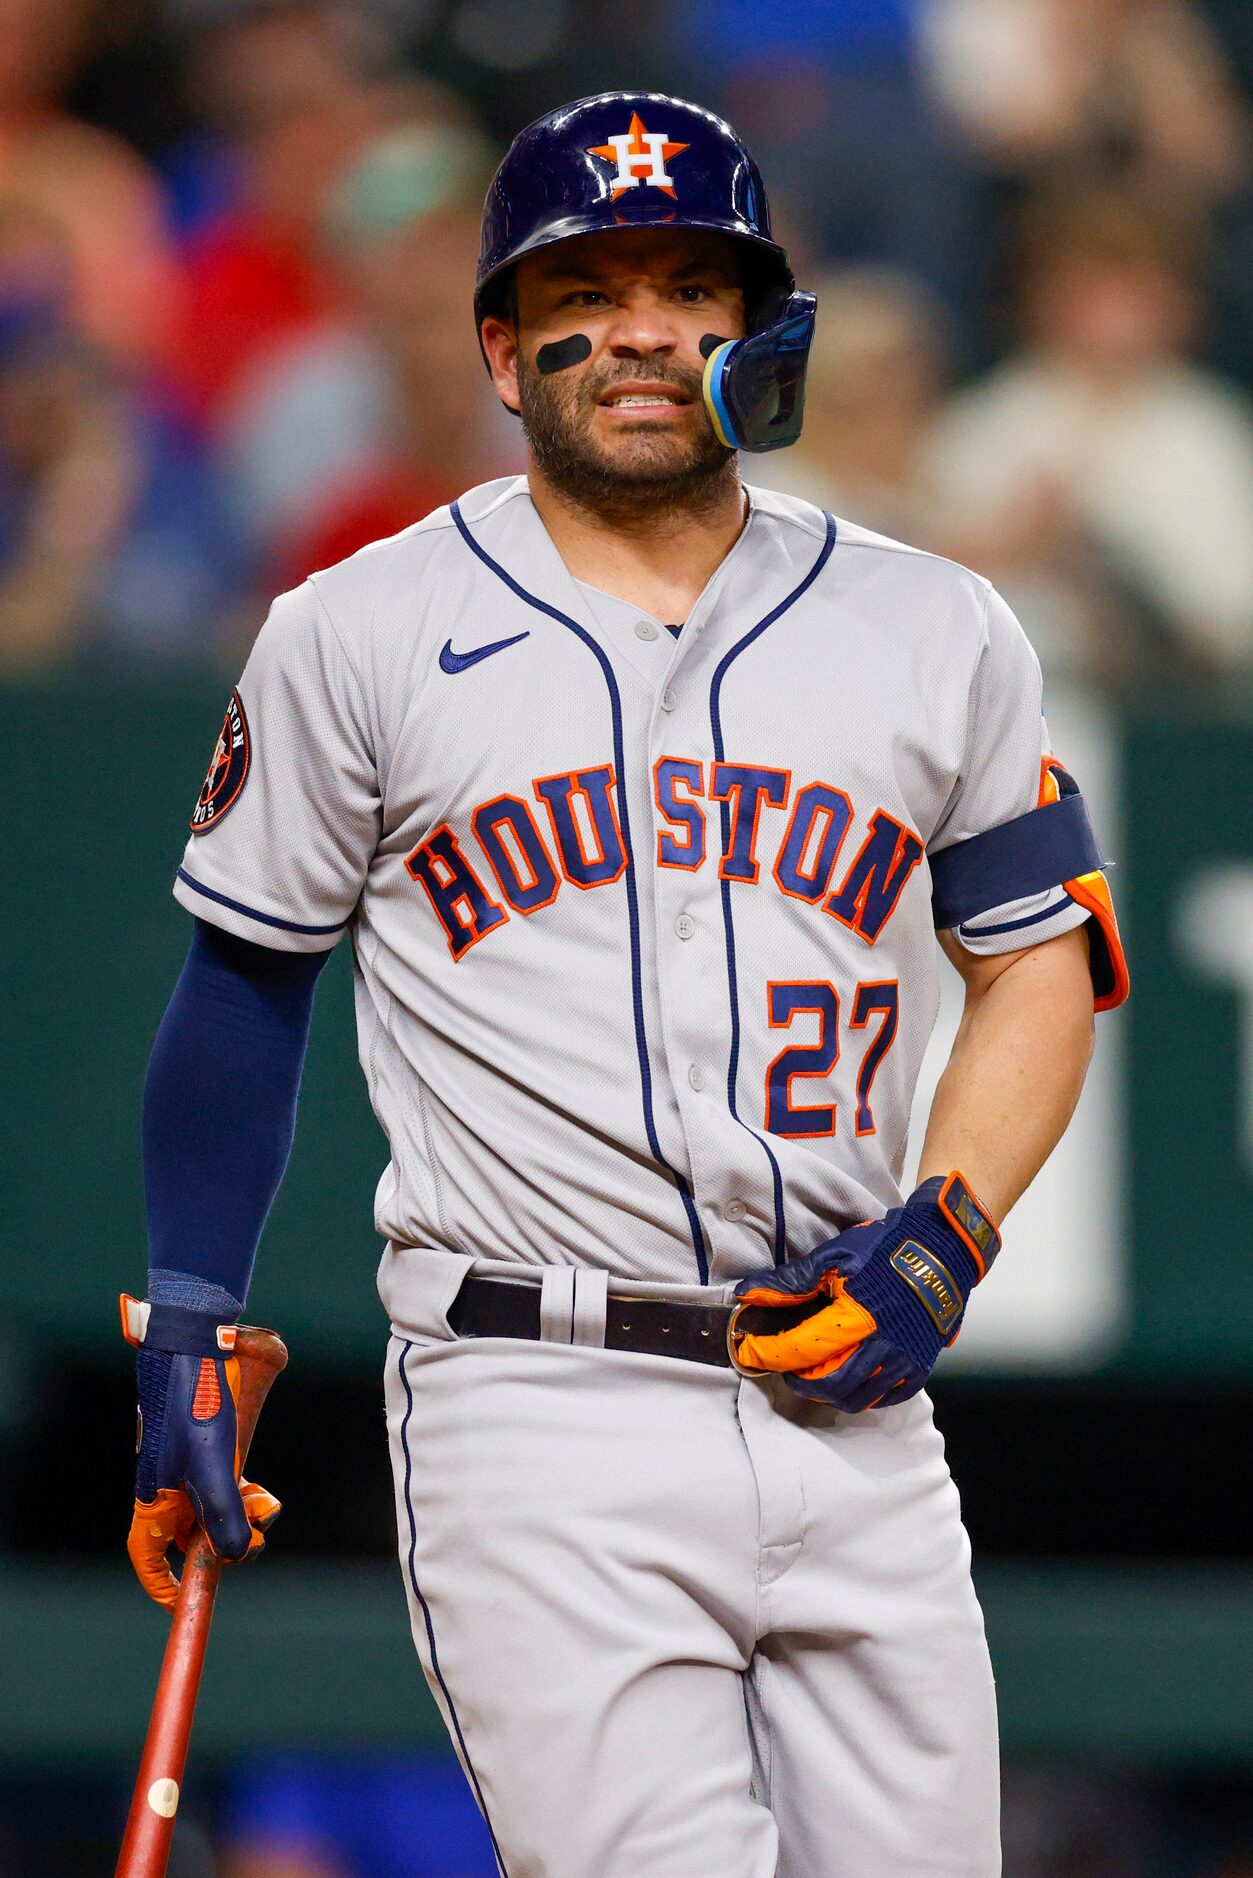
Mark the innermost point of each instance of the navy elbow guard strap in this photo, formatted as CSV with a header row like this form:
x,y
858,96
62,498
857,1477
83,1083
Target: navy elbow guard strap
x,y
1041,849
1051,846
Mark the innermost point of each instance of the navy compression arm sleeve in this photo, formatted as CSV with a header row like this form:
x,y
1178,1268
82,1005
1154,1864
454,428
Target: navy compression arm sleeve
x,y
220,1111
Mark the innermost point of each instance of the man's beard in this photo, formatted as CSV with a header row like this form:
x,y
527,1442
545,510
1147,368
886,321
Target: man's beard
x,y
659,471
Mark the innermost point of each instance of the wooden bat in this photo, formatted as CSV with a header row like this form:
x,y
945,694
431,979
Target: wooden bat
x,y
150,1825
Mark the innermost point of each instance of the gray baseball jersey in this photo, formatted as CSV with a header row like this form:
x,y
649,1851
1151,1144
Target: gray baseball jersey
x,y
641,919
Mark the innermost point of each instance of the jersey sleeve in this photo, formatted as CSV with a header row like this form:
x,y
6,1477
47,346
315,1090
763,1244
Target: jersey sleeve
x,y
1009,772
288,819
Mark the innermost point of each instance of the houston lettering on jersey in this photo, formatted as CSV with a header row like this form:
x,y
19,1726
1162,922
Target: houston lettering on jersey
x,y
517,867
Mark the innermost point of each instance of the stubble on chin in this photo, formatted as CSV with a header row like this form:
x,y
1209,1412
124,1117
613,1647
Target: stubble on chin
x,y
652,471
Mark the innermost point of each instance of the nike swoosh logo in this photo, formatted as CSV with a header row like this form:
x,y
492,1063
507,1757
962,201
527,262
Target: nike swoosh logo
x,y
450,661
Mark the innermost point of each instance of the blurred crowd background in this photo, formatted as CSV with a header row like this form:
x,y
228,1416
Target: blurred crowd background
x,y
237,244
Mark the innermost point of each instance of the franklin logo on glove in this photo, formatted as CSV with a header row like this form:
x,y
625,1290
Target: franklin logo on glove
x,y
930,1281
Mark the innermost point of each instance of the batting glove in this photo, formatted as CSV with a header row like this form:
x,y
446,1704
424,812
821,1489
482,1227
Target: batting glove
x,y
861,1320
187,1469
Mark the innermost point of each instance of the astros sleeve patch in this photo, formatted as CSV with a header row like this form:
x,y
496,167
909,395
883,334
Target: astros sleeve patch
x,y
228,769
294,779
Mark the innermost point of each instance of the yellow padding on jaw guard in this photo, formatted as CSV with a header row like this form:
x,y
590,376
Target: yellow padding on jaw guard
x,y
712,404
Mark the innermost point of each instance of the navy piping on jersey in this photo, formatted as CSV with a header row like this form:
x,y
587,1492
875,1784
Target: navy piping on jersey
x,y
633,915
250,912
715,719
436,1671
967,931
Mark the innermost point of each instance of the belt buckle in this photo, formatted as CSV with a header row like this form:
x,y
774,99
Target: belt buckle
x,y
734,1338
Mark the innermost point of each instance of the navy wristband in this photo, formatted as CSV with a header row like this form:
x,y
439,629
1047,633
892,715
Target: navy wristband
x,y
174,1328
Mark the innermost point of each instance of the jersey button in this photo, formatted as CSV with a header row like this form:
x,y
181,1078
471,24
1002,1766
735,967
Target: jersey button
x,y
685,925
696,1076
645,629
668,700
734,1210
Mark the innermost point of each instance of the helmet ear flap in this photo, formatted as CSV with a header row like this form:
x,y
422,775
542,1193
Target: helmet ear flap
x,y
500,296
766,303
497,298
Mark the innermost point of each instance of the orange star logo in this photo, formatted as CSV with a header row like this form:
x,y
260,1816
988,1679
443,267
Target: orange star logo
x,y
641,157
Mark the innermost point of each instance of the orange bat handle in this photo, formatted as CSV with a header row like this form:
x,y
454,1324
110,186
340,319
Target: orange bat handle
x,y
150,1825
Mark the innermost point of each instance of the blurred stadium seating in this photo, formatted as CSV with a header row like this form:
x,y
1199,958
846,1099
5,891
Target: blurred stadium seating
x,y
222,364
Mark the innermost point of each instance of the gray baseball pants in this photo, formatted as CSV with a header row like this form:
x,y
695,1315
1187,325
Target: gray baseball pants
x,y
686,1626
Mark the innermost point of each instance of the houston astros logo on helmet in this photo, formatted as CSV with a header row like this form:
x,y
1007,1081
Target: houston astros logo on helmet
x,y
641,156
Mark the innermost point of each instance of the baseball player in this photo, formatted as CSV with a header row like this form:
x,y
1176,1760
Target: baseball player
x,y
642,795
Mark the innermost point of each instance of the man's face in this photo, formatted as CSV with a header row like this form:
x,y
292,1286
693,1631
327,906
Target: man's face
x,y
628,422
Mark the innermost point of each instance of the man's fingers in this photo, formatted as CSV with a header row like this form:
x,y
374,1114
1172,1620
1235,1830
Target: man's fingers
x,y
836,1385
777,1289
155,1526
224,1519
262,1509
823,1269
877,1375
170,1519
819,1344
878,1388
261,1506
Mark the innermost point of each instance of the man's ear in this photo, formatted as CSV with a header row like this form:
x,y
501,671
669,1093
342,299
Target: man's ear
x,y
500,347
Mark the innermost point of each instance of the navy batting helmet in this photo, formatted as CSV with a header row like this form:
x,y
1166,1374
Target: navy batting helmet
x,y
641,159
